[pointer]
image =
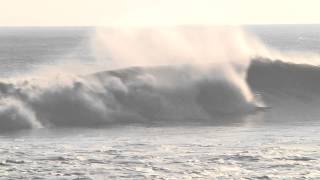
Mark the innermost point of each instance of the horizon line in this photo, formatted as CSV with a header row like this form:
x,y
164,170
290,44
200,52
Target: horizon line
x,y
92,26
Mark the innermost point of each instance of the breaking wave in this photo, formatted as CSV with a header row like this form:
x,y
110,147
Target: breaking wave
x,y
150,95
163,93
152,92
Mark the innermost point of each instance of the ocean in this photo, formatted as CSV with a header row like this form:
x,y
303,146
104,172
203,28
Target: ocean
x,y
188,103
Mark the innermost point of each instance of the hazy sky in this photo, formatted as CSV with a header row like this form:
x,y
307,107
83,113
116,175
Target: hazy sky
x,y
156,12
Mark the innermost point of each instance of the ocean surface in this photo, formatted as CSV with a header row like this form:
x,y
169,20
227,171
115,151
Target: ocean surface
x,y
258,119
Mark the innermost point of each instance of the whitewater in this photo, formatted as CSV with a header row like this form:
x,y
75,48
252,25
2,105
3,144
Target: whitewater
x,y
160,102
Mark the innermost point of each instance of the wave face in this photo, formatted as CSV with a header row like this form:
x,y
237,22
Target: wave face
x,y
278,77
291,90
157,94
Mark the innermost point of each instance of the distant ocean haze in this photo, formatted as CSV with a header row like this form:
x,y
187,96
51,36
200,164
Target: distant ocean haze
x,y
27,49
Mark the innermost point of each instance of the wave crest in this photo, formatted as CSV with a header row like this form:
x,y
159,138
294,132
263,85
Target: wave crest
x,y
153,94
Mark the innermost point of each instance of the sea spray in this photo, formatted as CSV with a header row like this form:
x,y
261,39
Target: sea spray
x,y
179,74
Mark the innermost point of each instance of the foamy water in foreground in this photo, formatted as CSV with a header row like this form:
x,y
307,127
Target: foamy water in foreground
x,y
137,152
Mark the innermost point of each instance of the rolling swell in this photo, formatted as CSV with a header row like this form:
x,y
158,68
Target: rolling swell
x,y
284,80
281,77
156,94
291,90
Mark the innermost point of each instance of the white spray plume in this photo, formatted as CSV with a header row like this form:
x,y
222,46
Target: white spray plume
x,y
151,46
184,72
226,48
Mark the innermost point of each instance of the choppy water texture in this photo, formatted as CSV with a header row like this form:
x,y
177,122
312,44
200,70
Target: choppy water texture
x,y
256,121
135,152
